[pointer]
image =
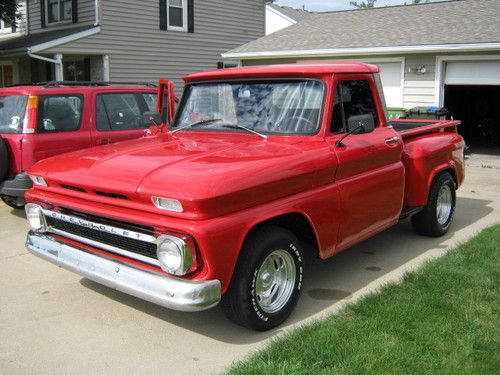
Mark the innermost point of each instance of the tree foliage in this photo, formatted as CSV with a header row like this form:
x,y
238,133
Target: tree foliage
x,y
8,10
363,4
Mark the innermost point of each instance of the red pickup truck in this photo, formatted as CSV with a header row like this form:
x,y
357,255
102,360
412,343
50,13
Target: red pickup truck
x,y
52,118
259,166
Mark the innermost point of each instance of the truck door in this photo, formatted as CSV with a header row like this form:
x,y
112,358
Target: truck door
x,y
370,173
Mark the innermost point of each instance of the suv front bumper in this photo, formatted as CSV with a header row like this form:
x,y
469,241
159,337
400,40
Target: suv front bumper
x,y
17,186
170,292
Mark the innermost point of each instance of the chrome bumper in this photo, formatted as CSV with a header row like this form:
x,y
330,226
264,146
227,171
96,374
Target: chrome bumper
x,y
176,294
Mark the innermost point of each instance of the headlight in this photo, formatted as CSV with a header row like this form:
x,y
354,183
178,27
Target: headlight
x,y
37,180
174,255
167,204
35,217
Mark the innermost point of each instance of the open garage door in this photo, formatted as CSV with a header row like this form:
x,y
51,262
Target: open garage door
x,y
472,95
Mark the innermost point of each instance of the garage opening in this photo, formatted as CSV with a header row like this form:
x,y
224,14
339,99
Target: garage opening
x,y
478,109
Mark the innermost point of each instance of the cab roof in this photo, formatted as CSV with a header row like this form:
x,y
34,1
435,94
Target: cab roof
x,y
283,70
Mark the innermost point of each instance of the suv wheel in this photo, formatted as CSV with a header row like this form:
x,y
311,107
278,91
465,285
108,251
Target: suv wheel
x,y
267,280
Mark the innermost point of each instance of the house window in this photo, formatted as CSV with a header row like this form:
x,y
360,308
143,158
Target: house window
x,y
177,15
5,27
58,11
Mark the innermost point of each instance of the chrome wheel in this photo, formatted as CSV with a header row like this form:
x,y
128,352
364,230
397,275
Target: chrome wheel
x,y
275,281
444,205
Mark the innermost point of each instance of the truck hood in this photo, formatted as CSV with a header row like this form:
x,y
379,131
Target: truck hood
x,y
209,174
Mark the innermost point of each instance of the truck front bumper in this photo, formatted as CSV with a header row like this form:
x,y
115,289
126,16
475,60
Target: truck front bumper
x,y
176,294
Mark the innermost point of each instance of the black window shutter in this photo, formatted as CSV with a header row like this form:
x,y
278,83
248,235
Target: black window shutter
x,y
42,13
163,14
190,10
74,11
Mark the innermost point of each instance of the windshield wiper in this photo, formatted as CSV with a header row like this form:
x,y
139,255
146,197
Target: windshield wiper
x,y
197,123
238,126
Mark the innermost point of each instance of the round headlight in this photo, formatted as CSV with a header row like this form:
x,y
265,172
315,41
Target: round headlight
x,y
174,255
35,217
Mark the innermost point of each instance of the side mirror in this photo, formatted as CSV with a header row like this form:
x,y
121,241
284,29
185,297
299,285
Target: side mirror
x,y
151,118
360,124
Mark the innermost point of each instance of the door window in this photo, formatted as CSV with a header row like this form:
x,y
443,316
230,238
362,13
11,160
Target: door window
x,y
119,111
60,113
354,106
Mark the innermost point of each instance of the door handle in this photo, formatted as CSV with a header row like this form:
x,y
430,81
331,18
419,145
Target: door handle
x,y
392,140
102,141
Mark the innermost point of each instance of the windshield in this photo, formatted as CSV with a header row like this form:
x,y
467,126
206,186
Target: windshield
x,y
12,110
272,107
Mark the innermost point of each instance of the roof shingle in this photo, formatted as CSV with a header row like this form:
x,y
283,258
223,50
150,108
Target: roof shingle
x,y
449,22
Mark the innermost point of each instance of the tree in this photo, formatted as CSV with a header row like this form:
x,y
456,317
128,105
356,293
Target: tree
x,y
363,4
8,11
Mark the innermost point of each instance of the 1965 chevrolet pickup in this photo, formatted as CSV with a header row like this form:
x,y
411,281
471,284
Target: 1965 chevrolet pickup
x,y
260,165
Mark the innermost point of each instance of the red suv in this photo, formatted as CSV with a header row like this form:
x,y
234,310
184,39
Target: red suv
x,y
47,119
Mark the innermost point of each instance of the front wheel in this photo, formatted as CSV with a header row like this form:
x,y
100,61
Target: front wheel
x,y
435,219
267,280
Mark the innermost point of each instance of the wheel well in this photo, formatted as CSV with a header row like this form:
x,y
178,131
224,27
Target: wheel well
x,y
451,171
296,223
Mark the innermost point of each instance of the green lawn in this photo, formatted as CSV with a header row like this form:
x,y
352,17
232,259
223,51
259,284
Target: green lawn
x,y
442,319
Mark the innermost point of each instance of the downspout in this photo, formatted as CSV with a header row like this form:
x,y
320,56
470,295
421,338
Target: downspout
x,y
97,6
57,61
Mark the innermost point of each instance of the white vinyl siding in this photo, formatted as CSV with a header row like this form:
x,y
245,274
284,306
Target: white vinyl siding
x,y
419,88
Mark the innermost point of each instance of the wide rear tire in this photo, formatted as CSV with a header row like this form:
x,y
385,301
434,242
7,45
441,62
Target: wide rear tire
x,y
4,160
267,281
435,219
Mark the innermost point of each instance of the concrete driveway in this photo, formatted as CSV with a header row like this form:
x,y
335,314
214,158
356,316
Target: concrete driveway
x,y
53,321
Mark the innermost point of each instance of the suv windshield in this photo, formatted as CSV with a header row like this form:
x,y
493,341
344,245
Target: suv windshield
x,y
12,110
291,107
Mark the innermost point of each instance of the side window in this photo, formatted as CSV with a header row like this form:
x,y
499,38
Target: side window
x,y
354,106
118,111
60,113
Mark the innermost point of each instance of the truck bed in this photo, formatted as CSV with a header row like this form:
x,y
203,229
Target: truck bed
x,y
412,127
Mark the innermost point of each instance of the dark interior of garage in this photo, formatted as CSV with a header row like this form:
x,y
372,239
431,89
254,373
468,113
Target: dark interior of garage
x,y
478,107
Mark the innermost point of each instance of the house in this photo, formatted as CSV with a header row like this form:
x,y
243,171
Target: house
x,y
433,54
124,40
278,17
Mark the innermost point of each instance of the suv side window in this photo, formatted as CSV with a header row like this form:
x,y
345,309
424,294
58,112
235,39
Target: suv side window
x,y
353,106
118,111
150,99
59,113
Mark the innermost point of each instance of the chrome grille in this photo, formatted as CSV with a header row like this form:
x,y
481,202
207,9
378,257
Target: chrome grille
x,y
105,234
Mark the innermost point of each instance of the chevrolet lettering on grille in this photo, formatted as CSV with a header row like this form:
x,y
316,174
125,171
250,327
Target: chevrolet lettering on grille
x,y
100,227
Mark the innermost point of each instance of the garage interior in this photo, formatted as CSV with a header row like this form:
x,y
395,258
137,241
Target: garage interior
x,y
478,107
472,95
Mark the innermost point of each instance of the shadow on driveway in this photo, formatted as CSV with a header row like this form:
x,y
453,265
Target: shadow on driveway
x,y
326,282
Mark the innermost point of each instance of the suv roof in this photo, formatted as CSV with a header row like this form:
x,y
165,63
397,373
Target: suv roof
x,y
57,87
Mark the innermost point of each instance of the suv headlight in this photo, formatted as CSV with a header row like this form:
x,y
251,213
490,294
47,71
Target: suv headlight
x,y
174,255
35,217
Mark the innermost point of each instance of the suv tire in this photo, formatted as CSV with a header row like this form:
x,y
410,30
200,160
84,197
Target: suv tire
x,y
4,160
